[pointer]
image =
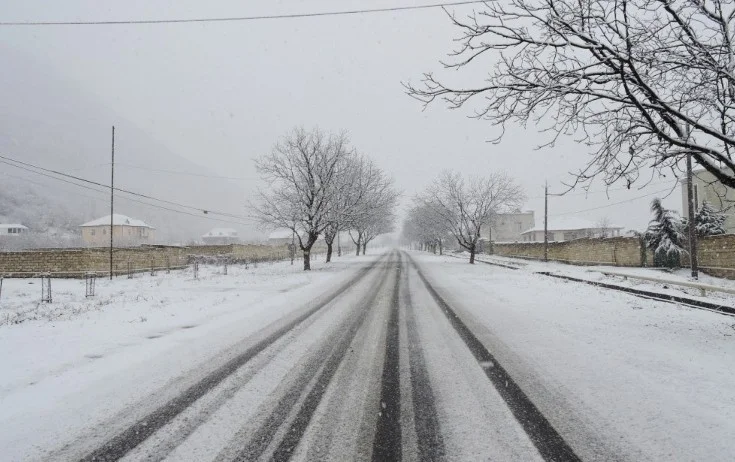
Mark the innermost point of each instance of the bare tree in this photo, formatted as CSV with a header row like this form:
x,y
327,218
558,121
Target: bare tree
x,y
463,206
604,225
373,212
423,226
302,172
642,82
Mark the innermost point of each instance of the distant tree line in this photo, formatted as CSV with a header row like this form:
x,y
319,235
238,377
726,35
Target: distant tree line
x,y
319,185
459,208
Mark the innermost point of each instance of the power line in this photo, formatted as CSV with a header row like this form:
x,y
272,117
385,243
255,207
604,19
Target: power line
x,y
160,207
238,18
610,205
600,191
175,172
207,212
145,196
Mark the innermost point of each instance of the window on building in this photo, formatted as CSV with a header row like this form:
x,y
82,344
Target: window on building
x,y
104,231
92,232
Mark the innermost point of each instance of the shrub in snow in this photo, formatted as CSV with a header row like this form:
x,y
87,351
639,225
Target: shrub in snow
x,y
664,236
707,221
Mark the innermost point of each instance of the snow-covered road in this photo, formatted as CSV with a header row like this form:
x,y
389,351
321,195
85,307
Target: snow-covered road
x,y
398,356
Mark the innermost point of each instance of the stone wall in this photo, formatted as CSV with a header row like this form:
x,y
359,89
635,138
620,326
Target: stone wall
x,y
614,251
77,262
716,253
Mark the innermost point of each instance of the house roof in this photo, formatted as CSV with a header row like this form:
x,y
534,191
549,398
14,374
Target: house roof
x,y
280,233
568,224
221,232
12,225
118,220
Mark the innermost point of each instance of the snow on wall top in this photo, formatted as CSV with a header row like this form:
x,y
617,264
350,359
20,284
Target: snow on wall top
x,y
569,224
118,220
12,225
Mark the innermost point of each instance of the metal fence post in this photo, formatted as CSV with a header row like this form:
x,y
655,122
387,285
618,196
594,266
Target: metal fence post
x,y
130,270
196,270
46,288
89,283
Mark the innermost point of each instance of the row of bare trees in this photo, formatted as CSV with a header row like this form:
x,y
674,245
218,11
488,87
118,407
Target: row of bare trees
x,y
644,83
460,208
319,185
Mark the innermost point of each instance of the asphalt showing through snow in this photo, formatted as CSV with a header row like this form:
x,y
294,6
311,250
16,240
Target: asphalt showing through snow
x,y
300,414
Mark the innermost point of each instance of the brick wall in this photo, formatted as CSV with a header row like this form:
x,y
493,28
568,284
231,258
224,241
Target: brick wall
x,y
77,262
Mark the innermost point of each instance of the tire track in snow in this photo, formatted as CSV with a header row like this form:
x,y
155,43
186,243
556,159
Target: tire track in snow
x,y
387,442
128,439
312,383
544,436
429,438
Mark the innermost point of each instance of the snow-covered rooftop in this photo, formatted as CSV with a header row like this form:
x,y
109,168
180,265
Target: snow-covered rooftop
x,y
280,233
221,232
12,225
118,220
569,224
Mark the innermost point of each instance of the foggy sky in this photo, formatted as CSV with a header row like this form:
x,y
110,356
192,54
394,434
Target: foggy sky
x,y
220,94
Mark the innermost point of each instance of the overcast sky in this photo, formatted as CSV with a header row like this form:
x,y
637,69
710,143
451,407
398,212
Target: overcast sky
x,y
220,94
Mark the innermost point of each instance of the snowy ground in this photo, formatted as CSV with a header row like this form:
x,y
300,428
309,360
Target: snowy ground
x,y
595,273
129,340
378,369
642,379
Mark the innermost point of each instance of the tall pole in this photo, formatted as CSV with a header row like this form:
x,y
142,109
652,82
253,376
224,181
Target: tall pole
x,y
692,225
112,198
546,221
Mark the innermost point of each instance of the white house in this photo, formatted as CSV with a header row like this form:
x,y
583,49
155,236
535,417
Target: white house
x,y
12,229
507,227
221,236
567,229
708,188
127,231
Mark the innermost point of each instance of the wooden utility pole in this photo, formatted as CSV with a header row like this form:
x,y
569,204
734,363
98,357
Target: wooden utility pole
x,y
112,199
692,225
546,221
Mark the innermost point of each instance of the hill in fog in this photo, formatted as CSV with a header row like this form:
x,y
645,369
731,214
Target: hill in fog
x,y
47,121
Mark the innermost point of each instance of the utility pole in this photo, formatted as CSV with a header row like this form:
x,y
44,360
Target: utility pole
x,y
546,221
692,225
293,245
112,199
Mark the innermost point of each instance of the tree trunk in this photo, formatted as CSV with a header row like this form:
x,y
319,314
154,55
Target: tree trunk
x,y
329,252
307,260
441,249
472,255
364,246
